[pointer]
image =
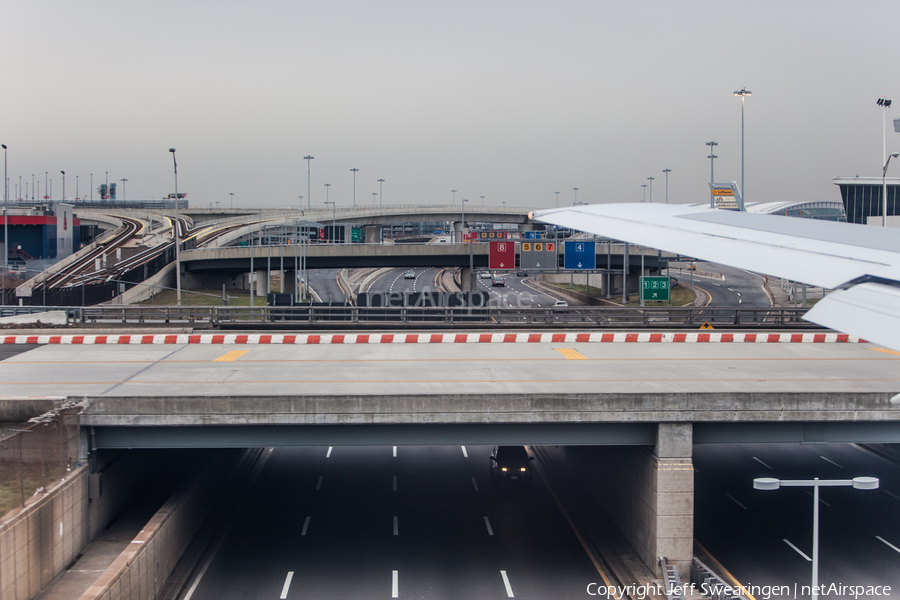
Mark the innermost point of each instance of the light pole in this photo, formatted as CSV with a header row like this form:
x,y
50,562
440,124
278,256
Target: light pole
x,y
482,201
32,186
644,185
64,185
462,230
380,190
92,187
454,196
885,104
232,198
557,199
742,93
5,218
374,198
46,185
76,188
333,232
712,174
667,171
354,170
177,233
123,180
576,196
651,188
308,158
300,204
858,483
884,190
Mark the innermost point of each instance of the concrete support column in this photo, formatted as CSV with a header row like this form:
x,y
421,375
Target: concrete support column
x,y
465,276
670,501
373,234
260,283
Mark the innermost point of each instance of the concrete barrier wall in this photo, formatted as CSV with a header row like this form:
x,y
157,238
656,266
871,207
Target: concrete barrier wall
x,y
39,542
141,570
19,410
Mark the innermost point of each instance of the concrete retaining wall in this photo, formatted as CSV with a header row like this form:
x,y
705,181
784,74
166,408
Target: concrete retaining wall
x,y
142,569
43,539
19,410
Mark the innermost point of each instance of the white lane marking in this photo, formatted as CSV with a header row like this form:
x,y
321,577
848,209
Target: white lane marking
x,y
733,499
730,290
395,455
740,300
762,463
892,495
739,294
820,500
800,552
466,454
305,526
395,585
509,593
287,585
396,527
881,539
474,484
487,524
328,454
394,486
832,462
319,483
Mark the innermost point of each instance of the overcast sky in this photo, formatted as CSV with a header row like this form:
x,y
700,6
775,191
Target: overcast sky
x,y
508,100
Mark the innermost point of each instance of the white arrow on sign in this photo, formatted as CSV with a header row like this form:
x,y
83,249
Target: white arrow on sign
x,y
538,264
579,265
501,265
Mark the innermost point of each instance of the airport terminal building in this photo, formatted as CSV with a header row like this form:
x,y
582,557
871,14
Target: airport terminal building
x,y
861,197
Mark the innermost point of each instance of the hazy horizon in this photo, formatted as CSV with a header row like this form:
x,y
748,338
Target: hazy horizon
x,y
512,101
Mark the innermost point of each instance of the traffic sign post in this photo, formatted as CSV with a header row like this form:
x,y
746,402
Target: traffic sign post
x,y
655,289
502,256
580,255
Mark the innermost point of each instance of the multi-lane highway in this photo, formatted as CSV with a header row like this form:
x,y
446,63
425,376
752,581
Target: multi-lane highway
x,y
765,537
401,522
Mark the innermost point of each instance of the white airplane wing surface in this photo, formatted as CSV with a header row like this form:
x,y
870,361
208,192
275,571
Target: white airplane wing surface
x,y
863,260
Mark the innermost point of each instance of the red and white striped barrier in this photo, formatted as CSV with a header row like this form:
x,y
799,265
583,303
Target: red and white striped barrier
x,y
438,338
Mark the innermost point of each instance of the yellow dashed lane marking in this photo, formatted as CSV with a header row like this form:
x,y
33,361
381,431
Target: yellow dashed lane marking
x,y
894,352
233,355
571,353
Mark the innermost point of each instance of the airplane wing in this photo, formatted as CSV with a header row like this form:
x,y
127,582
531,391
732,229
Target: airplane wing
x,y
864,261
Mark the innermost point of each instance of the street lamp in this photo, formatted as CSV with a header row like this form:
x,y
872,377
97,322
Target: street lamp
x,y
64,185
463,224
177,233
712,174
884,190
374,198
742,93
644,185
576,196
885,104
232,198
92,187
76,188
32,186
308,158
858,483
123,180
300,204
557,199
454,196
380,190
651,188
5,217
482,201
667,171
354,171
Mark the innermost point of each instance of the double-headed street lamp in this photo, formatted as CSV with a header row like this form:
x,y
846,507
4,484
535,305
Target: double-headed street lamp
x,y
644,185
177,234
123,180
884,190
5,214
308,158
557,199
354,170
64,185
712,172
380,190
454,196
650,179
858,483
575,202
232,198
742,93
667,171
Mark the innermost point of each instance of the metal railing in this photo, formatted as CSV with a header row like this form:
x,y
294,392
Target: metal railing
x,y
589,317
711,585
671,580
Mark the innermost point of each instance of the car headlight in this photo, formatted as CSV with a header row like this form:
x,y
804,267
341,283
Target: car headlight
x,y
522,469
503,469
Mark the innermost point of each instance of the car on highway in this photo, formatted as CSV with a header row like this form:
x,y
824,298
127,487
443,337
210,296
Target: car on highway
x,y
409,275
521,273
560,303
511,464
486,275
498,282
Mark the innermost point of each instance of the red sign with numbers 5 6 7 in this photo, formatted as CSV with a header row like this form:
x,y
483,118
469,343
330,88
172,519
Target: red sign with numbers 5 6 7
x,y
502,256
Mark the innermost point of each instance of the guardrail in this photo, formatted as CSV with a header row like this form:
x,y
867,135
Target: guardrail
x,y
712,586
533,317
671,580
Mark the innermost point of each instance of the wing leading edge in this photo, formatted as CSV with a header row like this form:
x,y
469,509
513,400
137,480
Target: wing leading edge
x,y
820,253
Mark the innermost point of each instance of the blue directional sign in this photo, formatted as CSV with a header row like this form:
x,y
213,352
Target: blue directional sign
x,y
580,255
532,235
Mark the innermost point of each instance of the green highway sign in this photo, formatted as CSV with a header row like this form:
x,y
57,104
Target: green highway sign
x,y
355,234
655,288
